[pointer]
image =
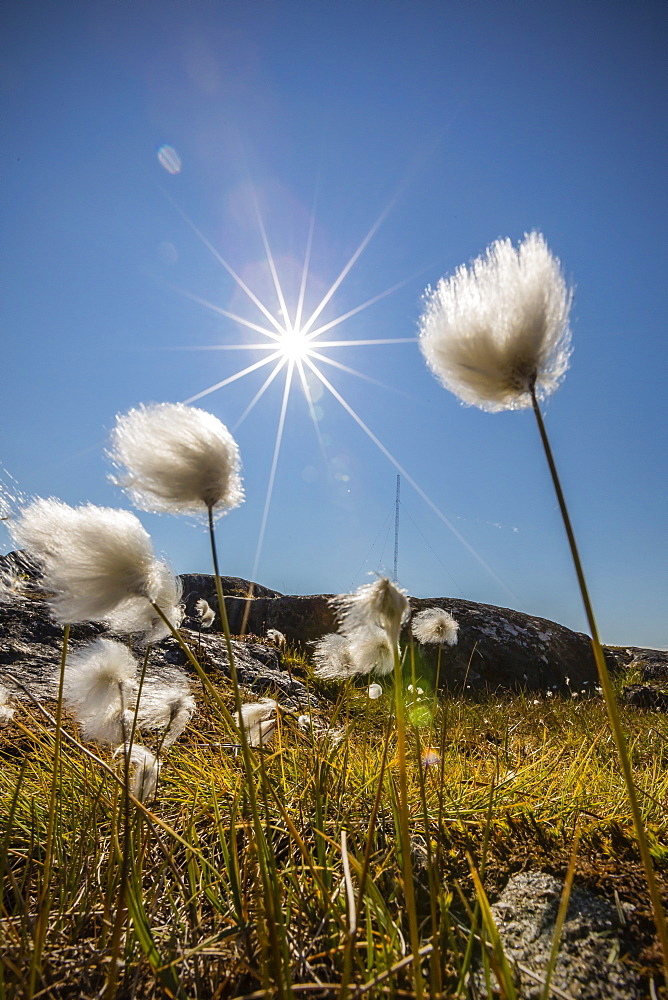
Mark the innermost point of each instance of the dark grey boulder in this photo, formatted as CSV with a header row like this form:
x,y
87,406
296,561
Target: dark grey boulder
x,y
501,648
497,647
31,643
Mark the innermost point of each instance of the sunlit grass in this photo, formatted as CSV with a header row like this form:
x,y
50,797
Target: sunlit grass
x,y
509,779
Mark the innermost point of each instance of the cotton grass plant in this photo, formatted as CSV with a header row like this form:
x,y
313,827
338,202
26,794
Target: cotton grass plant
x,y
99,565
496,334
178,459
435,626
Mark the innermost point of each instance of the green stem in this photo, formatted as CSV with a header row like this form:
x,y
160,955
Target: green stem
x,y
610,700
438,675
404,832
225,622
44,903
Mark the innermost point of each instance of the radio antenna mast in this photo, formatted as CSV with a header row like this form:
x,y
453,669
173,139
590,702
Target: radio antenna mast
x,y
396,528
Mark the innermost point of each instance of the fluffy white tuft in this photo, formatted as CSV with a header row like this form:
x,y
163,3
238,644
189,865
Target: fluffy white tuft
x,y
380,603
6,711
435,625
100,687
168,709
94,559
177,459
205,613
138,615
276,637
494,330
372,651
258,722
110,726
11,585
332,658
146,771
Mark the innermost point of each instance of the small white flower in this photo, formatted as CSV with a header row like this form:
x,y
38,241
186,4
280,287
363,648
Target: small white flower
x,y
435,625
205,613
276,637
177,459
493,332
258,722
374,691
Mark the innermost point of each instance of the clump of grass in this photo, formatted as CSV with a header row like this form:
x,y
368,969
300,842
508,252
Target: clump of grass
x,y
508,781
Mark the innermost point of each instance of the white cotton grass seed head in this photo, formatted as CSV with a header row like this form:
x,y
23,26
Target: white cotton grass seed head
x,y
139,615
372,651
100,688
6,711
276,637
93,559
176,459
109,727
258,722
496,329
12,585
332,658
205,613
168,709
380,604
146,773
435,625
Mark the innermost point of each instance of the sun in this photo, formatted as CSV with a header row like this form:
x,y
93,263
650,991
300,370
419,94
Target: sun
x,y
294,344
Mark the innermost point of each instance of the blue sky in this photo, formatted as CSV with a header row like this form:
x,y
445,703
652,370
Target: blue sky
x,y
445,125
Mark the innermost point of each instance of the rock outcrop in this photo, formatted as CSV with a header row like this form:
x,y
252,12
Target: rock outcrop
x,y
31,644
497,647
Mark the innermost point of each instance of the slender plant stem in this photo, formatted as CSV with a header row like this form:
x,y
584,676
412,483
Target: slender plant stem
x,y
438,676
610,700
44,903
404,832
225,622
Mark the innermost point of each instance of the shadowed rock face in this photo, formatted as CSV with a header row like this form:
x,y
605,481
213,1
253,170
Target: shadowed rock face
x,y
31,645
497,647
